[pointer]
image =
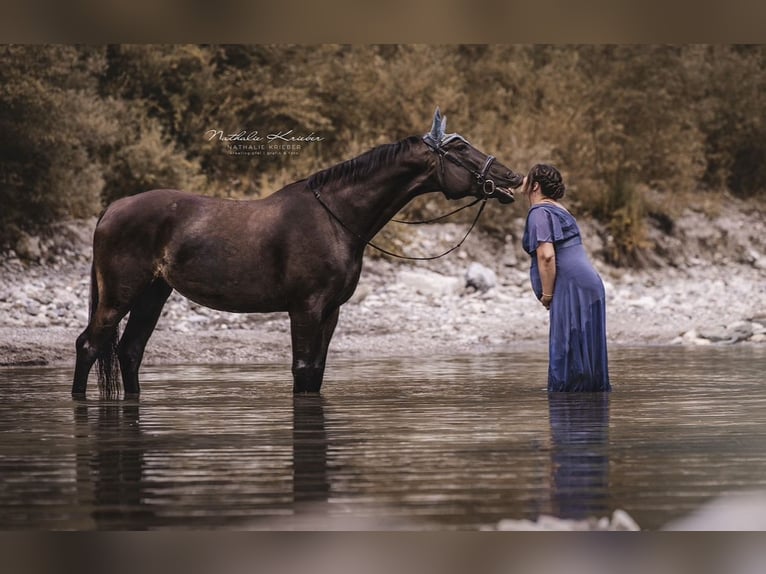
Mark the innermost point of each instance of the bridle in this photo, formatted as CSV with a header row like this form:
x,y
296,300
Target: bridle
x,y
487,186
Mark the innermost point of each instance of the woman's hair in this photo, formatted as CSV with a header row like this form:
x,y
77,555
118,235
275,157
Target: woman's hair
x,y
550,180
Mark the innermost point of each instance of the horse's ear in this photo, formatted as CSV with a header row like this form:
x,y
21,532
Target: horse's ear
x,y
438,127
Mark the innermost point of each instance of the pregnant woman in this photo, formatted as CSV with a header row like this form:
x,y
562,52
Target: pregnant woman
x,y
566,283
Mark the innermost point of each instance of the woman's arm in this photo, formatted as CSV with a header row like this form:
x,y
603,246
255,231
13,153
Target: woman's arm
x,y
546,264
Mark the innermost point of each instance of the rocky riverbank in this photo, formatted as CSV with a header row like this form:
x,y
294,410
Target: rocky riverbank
x,y
706,285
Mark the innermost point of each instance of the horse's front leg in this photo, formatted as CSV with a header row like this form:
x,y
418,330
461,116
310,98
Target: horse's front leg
x,y
311,335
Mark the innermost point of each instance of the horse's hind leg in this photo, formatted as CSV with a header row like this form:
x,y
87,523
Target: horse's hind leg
x,y
92,343
87,354
115,286
311,335
144,314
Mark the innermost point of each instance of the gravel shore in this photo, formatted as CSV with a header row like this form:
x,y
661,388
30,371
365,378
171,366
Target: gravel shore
x,y
706,285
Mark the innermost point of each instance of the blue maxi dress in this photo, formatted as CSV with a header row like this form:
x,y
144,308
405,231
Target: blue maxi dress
x,y
577,355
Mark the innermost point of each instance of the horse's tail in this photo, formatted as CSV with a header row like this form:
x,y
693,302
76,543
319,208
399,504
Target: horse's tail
x,y
108,370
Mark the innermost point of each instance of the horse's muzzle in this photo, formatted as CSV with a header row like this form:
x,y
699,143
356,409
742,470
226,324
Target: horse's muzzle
x,y
504,195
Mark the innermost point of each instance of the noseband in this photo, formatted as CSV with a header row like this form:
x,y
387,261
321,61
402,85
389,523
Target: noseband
x,y
487,184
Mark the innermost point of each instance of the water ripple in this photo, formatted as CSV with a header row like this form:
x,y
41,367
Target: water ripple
x,y
440,442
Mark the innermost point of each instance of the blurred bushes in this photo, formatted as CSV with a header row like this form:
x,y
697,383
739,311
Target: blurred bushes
x,y
82,126
52,126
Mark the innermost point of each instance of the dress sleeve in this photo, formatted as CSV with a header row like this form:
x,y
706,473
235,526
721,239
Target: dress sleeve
x,y
542,227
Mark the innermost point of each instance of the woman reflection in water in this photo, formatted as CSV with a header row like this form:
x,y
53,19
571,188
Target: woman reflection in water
x,y
566,283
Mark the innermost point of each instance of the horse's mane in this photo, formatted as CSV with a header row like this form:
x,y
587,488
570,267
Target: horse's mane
x,y
360,166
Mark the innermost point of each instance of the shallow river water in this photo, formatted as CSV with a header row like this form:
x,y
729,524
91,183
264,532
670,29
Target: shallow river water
x,y
431,443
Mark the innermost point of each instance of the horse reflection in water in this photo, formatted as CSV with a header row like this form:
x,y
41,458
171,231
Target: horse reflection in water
x,y
579,456
297,251
310,481
112,455
110,465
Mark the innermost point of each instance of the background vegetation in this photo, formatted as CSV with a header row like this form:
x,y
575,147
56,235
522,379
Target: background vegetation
x,y
630,126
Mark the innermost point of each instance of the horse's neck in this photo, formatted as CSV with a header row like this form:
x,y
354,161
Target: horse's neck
x,y
367,206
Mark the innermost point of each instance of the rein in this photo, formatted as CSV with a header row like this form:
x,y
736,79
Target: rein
x,y
397,255
487,185
445,216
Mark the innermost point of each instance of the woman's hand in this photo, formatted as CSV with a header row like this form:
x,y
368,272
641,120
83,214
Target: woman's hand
x,y
546,262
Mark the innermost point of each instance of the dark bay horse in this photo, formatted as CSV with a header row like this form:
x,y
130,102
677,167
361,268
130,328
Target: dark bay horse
x,y
298,250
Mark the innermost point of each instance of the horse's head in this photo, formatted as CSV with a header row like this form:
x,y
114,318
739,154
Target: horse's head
x,y
463,170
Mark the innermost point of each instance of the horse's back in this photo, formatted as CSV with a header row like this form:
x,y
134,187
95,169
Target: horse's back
x,y
151,206
154,218
165,206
